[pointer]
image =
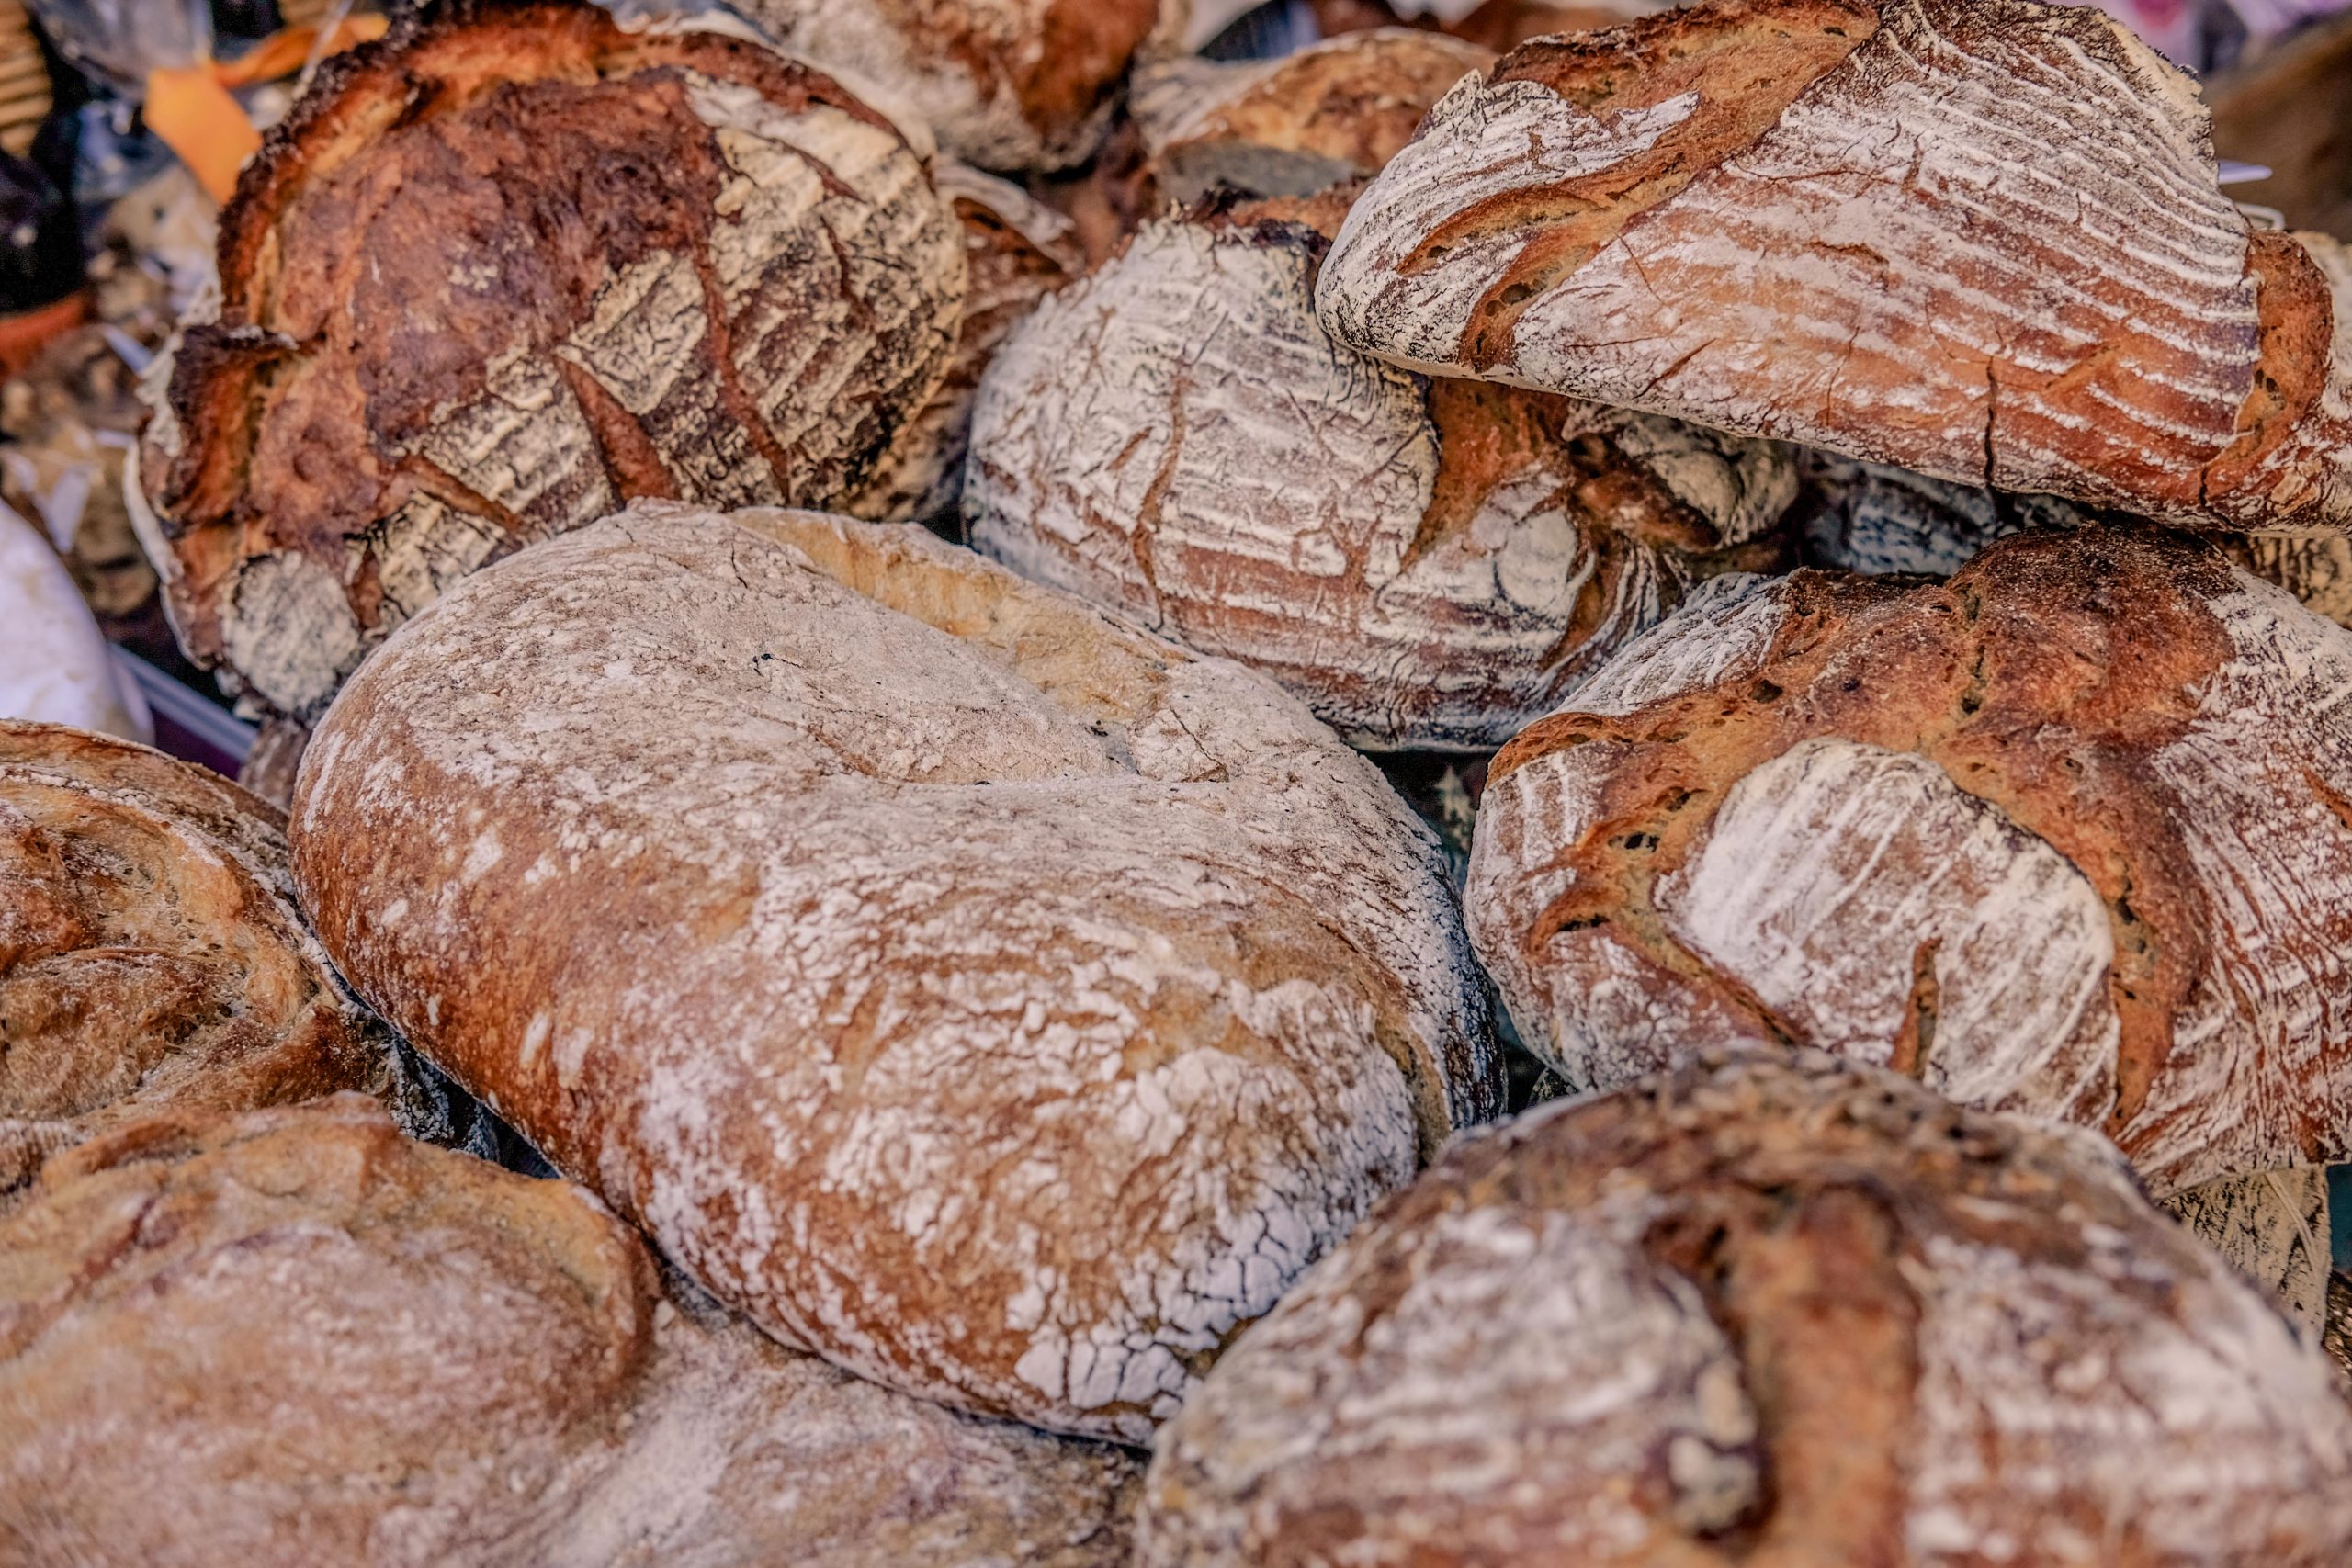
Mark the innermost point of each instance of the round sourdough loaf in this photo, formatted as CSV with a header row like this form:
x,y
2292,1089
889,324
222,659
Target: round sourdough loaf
x,y
151,955
968,988
1016,250
2069,834
1007,84
1982,241
1331,114
294,1337
498,274
1770,1312
1430,564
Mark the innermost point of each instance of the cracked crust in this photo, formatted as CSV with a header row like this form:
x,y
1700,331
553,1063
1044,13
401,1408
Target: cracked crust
x,y
295,1337
1982,241
964,985
503,271
1012,86
151,955
2067,834
1771,1312
1428,564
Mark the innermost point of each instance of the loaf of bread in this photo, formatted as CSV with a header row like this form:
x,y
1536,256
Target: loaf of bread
x,y
964,985
295,1337
1427,563
54,666
1764,1310
1331,114
2069,834
1016,250
151,955
1007,84
1981,240
504,270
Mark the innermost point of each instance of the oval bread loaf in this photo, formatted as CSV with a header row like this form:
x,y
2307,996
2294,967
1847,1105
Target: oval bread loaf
x,y
1764,1311
1427,563
2069,834
150,954
294,1337
1982,241
966,986
503,271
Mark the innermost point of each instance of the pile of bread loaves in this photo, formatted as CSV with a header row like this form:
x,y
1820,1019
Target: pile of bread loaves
x,y
761,1033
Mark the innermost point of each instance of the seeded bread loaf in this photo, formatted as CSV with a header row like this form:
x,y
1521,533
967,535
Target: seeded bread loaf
x,y
503,271
1773,1313
2067,834
151,955
295,1337
1980,239
964,985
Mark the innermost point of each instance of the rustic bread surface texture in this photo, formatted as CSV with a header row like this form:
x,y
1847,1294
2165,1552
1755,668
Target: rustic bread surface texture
x,y
1427,563
969,988
2068,834
295,1337
503,272
1007,85
1016,250
1975,238
150,954
1767,1312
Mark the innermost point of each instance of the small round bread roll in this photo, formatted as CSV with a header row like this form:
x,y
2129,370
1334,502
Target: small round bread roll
x,y
54,666
1765,1311
1430,564
1016,250
966,986
2069,834
296,1337
151,955
1007,84
503,271
1331,114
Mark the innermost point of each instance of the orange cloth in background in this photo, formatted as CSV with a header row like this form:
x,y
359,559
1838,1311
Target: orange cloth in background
x,y
191,110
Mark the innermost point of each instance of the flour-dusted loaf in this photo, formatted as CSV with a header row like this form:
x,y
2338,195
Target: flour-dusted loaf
x,y
1016,250
966,986
296,1337
1007,84
151,955
1427,563
2069,834
1764,1310
503,271
1329,114
1977,238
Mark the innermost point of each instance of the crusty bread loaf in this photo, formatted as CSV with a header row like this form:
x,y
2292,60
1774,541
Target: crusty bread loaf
x,y
966,986
151,955
1331,114
1007,84
1016,250
501,272
2069,834
1979,240
296,1337
2274,1226
1764,1311
1427,563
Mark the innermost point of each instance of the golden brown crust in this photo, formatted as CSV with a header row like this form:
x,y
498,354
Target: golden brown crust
x,y
1766,1311
506,268
2076,684
151,955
